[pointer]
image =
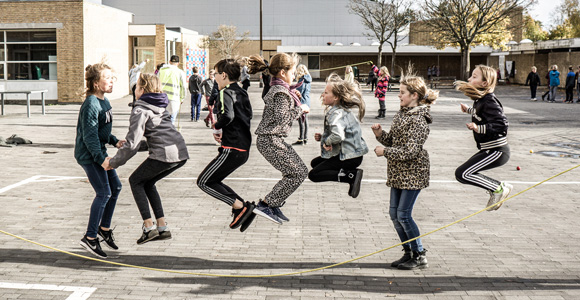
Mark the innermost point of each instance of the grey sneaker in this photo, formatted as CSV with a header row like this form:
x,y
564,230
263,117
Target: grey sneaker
x,y
148,236
498,197
164,235
263,210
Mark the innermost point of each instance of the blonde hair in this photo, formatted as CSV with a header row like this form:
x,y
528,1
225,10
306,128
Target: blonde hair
x,y
384,71
278,62
416,84
534,68
301,70
93,76
150,83
555,67
488,74
348,93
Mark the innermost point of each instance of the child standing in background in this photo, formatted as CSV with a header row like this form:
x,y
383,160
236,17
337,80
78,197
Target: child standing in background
x,y
489,126
282,107
381,91
342,145
408,164
303,87
207,87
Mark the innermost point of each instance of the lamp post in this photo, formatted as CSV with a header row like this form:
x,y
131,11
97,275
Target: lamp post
x,y
261,47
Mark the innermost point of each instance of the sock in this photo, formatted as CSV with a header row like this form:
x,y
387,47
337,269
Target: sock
x,y
147,229
162,228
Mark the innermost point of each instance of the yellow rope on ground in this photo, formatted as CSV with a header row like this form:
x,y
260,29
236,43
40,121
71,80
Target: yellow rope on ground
x,y
362,63
290,273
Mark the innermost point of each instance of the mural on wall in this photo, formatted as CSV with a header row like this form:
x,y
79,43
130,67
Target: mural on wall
x,y
196,57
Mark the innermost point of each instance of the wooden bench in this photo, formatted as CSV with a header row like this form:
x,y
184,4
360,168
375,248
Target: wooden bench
x,y
447,81
27,93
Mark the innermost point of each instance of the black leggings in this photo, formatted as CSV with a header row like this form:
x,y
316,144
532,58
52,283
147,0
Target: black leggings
x,y
327,169
210,179
143,181
468,173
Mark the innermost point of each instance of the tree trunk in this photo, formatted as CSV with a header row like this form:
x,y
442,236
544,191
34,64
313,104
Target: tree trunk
x,y
393,57
465,62
379,59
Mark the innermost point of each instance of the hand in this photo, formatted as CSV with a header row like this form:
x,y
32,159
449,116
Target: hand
x,y
464,108
217,137
377,129
327,148
472,126
380,151
106,165
317,137
120,143
305,108
298,93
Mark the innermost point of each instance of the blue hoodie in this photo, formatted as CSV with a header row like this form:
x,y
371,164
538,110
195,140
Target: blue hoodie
x,y
304,89
570,80
554,78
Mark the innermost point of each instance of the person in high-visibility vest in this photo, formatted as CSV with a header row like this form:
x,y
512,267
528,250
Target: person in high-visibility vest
x,y
173,83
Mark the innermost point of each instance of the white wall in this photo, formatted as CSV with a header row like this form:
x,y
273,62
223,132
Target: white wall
x,y
106,32
30,85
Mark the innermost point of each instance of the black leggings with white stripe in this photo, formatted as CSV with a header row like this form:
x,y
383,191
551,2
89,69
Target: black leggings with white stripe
x,y
210,179
468,173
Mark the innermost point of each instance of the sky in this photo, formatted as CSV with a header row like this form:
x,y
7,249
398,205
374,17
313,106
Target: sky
x,y
543,10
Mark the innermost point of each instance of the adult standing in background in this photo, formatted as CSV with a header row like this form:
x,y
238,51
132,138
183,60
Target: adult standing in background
x,y
570,83
173,83
533,80
303,86
195,82
554,83
133,76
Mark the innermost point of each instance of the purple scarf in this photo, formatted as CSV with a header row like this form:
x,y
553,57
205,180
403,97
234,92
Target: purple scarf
x,y
291,88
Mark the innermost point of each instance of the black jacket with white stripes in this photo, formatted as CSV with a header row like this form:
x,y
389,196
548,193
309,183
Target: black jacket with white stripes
x,y
487,114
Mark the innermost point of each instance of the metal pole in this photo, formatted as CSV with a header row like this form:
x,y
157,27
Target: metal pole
x,y
261,45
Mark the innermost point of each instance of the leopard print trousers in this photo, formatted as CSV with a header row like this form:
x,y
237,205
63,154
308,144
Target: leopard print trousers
x,y
285,159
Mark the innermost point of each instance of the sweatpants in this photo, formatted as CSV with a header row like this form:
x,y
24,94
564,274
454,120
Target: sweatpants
x,y
143,182
468,173
285,159
210,179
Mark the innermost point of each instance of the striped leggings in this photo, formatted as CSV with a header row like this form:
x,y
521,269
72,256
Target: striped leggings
x,y
210,179
468,173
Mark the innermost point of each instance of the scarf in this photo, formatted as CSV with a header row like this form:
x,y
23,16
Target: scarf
x,y
156,99
291,88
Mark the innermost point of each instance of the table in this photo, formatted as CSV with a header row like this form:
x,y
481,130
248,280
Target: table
x,y
27,93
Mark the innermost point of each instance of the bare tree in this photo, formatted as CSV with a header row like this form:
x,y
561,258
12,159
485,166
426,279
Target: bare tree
x,y
401,16
225,40
465,23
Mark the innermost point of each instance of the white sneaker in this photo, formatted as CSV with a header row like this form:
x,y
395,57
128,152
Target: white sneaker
x,y
534,99
498,197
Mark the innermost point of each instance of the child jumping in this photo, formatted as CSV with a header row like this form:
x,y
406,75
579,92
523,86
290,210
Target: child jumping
x,y
381,91
232,131
342,146
408,164
167,153
282,107
489,126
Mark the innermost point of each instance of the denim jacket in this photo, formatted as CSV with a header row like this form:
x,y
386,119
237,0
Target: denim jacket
x,y
342,131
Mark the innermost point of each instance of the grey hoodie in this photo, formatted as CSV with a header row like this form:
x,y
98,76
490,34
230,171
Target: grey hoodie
x,y
165,143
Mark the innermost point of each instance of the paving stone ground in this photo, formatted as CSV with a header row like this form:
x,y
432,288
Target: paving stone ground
x,y
526,250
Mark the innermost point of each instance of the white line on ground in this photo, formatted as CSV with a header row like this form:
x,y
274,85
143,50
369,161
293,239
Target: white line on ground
x,y
23,182
78,293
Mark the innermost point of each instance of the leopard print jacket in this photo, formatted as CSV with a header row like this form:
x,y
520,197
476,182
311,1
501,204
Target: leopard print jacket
x,y
408,162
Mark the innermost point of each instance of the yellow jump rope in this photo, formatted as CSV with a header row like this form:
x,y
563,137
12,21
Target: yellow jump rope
x,y
290,273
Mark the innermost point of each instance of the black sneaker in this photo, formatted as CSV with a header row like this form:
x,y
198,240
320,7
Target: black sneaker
x,y
163,235
148,236
298,142
263,210
278,212
108,238
356,178
93,246
248,221
240,215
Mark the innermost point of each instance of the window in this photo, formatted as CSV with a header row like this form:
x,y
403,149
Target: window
x,y
313,62
28,55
